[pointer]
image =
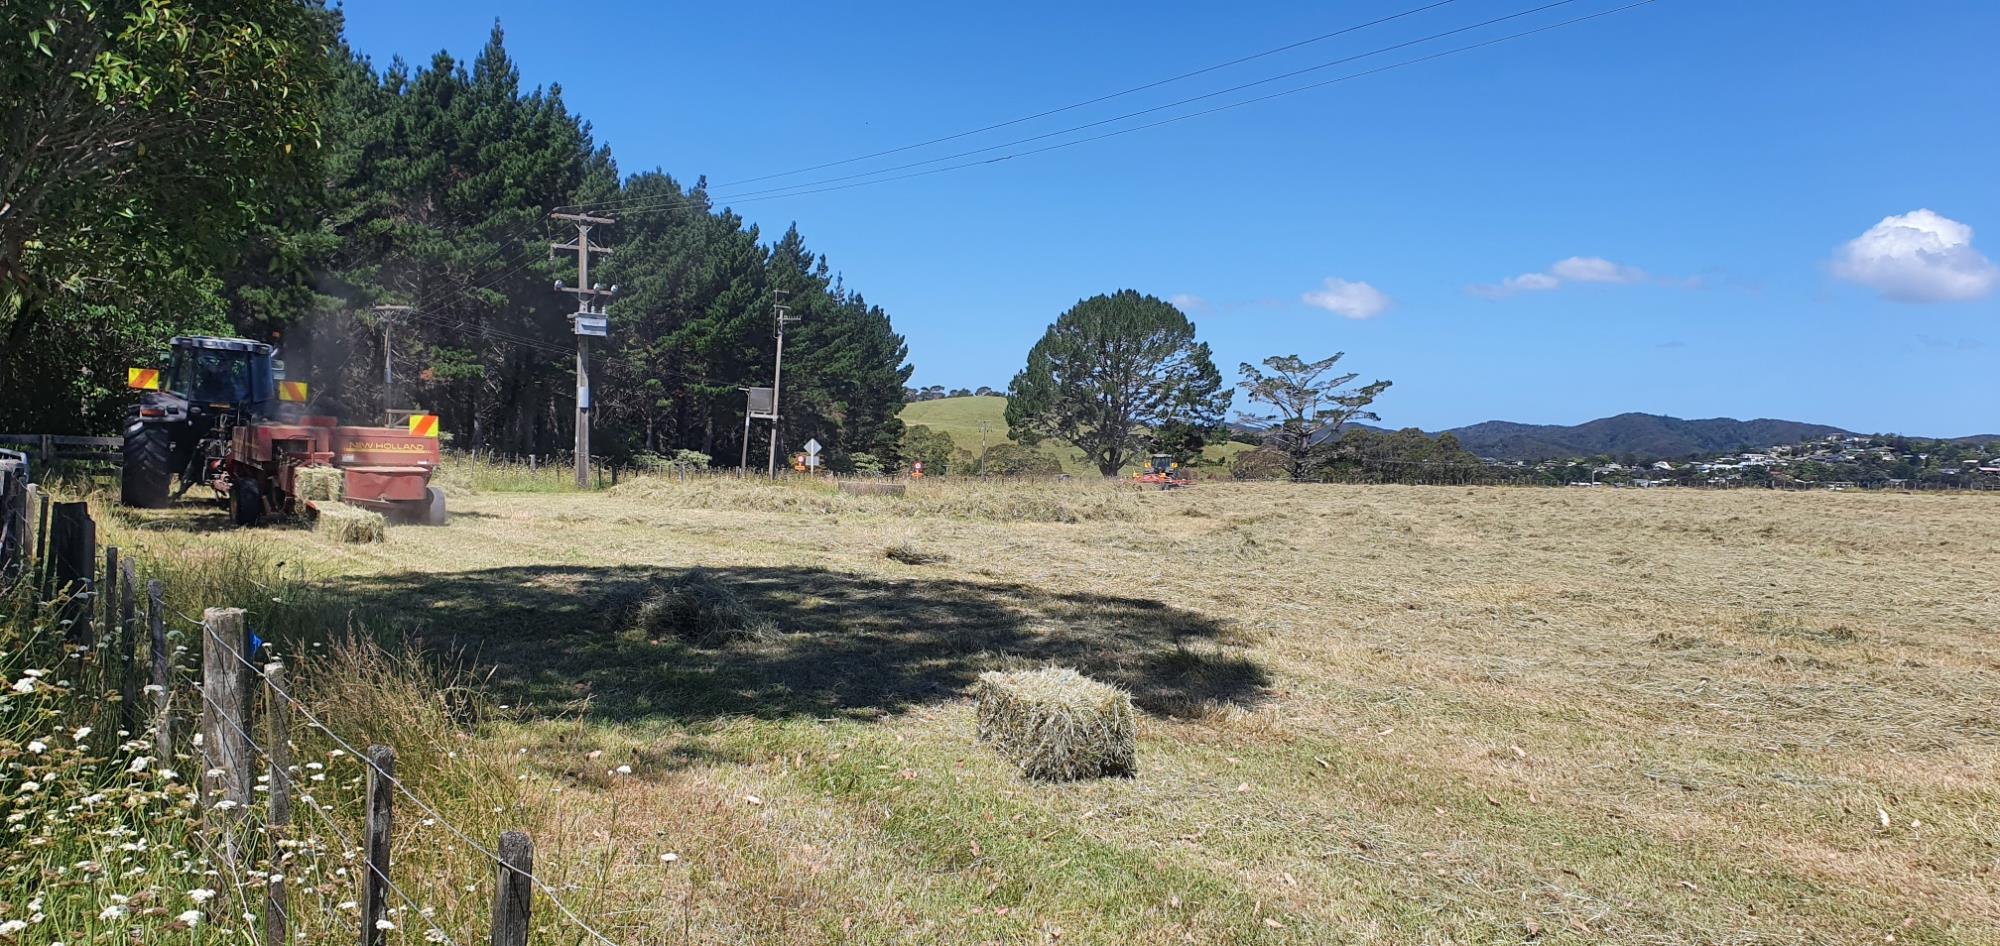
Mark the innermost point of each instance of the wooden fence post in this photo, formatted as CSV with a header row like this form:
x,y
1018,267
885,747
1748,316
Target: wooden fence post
x,y
13,519
128,647
514,890
41,501
163,720
107,590
225,728
73,550
381,819
278,747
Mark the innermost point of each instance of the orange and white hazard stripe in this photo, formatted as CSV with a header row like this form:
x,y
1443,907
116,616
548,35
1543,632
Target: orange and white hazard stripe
x,y
423,425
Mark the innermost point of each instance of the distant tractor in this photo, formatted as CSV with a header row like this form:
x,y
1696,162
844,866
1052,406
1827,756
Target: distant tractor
x,y
1163,472
220,416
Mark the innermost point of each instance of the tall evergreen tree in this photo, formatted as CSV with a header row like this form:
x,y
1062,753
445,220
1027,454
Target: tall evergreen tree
x,y
1110,370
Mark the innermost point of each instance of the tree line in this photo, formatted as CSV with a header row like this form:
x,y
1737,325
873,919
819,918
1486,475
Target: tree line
x,y
236,168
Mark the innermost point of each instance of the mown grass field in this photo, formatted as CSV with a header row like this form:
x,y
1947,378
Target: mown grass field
x,y
1372,714
961,417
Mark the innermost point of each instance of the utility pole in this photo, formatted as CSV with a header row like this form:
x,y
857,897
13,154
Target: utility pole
x,y
589,322
386,314
778,370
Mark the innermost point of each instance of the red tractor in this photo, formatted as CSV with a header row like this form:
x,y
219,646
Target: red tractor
x,y
218,415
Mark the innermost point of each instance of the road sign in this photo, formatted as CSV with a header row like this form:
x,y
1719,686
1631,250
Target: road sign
x,y
595,326
760,401
812,454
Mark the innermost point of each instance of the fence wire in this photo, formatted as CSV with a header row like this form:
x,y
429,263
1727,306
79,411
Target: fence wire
x,y
548,890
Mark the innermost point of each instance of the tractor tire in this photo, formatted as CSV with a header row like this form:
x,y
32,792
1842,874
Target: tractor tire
x,y
148,467
434,514
246,502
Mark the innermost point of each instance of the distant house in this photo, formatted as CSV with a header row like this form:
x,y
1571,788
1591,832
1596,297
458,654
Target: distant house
x,y
1662,465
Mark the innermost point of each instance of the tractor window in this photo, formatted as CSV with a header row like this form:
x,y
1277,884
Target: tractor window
x,y
221,377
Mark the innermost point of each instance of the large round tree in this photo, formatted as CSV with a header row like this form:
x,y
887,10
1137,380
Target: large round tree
x,y
1110,371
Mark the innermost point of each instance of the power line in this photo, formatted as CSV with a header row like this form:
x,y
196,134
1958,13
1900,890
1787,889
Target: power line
x,y
844,182
1208,111
1186,101
1093,101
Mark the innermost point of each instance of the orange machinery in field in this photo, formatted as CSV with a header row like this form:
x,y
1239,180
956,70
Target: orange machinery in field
x,y
387,469
1162,472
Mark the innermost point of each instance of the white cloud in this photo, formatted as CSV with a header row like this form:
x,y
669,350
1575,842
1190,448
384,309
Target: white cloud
x,y
1188,302
1595,269
1355,300
1919,256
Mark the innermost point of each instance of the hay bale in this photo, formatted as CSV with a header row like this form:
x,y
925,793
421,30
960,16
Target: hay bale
x,y
1057,724
872,488
319,483
697,607
344,523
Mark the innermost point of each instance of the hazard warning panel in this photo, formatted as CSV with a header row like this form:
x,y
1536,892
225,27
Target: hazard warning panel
x,y
292,391
142,379
423,425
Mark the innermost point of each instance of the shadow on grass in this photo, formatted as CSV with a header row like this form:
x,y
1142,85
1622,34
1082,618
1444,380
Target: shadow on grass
x,y
564,639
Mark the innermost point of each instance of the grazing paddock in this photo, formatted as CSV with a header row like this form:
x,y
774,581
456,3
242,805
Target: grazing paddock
x,y
1366,714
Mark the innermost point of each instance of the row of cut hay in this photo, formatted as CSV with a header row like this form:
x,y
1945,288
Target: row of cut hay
x,y
344,523
1057,724
1047,500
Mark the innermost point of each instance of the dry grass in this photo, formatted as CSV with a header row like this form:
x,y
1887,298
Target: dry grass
x,y
1452,715
697,607
1056,724
1049,500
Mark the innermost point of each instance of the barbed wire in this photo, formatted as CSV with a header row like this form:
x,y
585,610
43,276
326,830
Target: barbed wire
x,y
546,888
345,839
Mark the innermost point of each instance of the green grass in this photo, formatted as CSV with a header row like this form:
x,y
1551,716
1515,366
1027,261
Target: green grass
x,y
961,417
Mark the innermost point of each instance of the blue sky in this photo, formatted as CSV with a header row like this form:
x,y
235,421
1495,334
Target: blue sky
x,y
1685,196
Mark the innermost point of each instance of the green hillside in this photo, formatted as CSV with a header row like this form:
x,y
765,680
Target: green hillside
x,y
961,418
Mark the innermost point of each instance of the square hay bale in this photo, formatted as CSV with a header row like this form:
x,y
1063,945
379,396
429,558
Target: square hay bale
x,y
320,483
1057,724
344,523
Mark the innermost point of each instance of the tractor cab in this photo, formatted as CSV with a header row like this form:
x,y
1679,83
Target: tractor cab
x,y
208,374
1164,465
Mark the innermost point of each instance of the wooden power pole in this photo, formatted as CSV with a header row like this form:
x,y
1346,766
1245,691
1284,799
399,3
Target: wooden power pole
x,y
784,317
589,322
386,314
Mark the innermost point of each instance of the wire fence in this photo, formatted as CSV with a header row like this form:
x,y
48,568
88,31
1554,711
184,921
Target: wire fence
x,y
251,722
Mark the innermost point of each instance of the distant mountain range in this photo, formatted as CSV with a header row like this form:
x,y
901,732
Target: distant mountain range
x,y
1644,435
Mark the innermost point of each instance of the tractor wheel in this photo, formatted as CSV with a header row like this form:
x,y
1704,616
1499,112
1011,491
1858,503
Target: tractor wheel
x,y
246,502
148,466
434,514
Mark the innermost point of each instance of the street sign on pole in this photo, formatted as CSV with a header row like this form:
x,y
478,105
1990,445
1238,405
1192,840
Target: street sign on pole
x,y
812,455
594,326
760,402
